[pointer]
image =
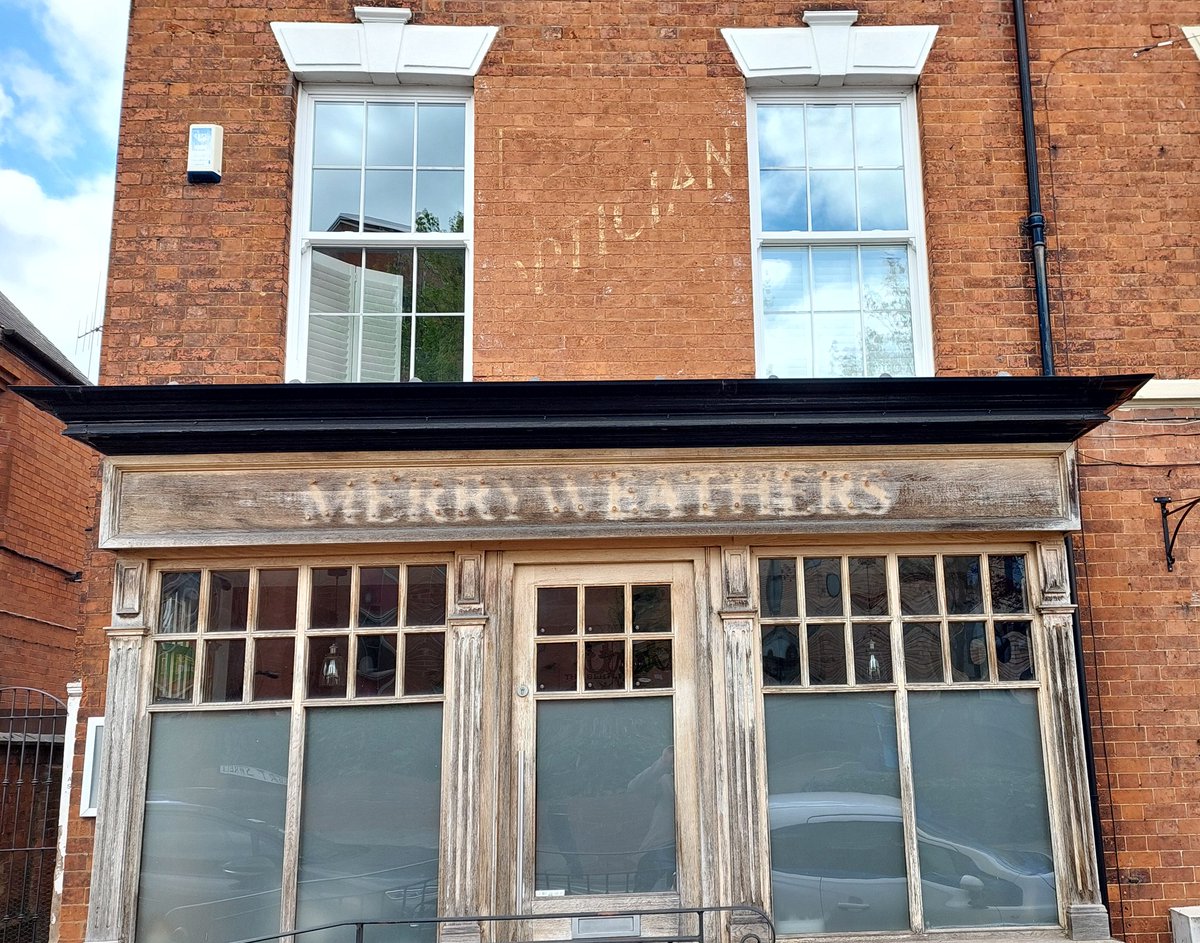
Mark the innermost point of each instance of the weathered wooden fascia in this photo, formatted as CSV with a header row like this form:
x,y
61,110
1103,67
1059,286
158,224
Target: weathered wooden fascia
x,y
266,500
112,901
1070,810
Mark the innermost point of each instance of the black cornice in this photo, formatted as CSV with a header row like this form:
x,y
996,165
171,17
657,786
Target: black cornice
x,y
295,417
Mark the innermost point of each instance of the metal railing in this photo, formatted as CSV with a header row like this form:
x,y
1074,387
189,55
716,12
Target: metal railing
x,y
696,925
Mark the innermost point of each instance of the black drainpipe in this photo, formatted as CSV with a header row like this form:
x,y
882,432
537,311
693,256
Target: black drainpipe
x,y
1037,239
1036,221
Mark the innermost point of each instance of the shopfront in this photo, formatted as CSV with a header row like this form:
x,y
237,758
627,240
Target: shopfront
x,y
541,649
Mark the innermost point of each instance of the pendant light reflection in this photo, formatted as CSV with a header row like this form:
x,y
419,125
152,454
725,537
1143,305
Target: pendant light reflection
x,y
333,668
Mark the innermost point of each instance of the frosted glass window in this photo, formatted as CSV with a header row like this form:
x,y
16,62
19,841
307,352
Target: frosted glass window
x,y
369,823
837,835
982,817
605,796
212,844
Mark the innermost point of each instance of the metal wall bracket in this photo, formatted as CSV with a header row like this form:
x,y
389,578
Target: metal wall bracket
x,y
1170,535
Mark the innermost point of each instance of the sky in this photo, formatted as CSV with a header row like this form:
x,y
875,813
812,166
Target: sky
x,y
60,95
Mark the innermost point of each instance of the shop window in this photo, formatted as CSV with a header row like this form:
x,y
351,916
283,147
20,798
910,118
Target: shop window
x,y
838,236
902,723
381,275
358,650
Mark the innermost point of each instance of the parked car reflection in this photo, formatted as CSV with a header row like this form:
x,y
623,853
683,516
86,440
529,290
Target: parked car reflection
x,y
838,864
208,875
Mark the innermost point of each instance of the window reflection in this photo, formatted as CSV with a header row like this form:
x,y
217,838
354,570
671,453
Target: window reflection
x,y
605,796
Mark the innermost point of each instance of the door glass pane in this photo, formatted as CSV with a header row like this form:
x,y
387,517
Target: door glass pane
x,y
557,667
652,666
212,844
604,666
837,838
983,825
652,608
604,609
605,796
557,610
369,825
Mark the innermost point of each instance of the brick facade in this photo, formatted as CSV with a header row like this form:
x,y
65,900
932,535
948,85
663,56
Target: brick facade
x,y
612,241
45,512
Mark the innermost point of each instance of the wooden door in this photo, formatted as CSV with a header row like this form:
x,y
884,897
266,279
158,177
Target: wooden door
x,y
605,740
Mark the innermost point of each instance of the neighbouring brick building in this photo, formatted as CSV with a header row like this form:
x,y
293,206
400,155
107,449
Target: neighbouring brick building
x,y
759,564
46,510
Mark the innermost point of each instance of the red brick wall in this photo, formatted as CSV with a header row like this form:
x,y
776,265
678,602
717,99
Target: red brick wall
x,y
612,240
611,205
45,516
1142,640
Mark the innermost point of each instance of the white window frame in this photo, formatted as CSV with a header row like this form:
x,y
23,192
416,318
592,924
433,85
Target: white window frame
x,y
303,241
93,750
913,237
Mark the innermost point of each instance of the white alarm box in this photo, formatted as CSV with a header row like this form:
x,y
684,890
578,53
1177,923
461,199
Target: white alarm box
x,y
204,153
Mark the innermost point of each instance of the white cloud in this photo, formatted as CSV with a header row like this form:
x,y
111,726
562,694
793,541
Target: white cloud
x,y
60,103
88,40
53,254
40,111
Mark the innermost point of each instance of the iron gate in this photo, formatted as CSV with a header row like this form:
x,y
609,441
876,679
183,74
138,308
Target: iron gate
x,y
32,724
